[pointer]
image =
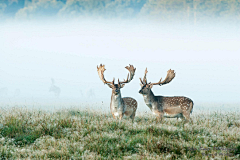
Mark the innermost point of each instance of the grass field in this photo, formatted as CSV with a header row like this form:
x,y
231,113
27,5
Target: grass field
x,y
85,134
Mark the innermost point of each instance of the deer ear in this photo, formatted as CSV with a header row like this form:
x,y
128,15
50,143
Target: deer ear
x,y
150,86
122,85
141,84
109,85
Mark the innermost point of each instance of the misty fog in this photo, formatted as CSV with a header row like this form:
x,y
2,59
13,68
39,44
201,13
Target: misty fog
x,y
205,58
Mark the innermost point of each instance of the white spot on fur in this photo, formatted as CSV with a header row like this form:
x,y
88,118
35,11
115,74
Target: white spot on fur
x,y
165,114
116,114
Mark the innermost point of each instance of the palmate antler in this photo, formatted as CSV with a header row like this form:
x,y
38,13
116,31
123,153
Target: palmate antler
x,y
131,70
169,78
101,70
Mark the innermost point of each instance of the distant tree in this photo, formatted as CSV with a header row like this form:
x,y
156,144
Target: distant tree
x,y
13,6
166,10
40,8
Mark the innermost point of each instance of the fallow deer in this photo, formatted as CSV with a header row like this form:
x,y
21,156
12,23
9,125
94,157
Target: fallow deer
x,y
170,107
119,106
53,88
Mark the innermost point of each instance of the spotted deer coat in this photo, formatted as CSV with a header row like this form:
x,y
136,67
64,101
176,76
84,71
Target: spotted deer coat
x,y
120,107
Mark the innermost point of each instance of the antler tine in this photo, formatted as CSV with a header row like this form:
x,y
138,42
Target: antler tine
x,y
145,76
131,70
101,70
141,80
169,78
159,82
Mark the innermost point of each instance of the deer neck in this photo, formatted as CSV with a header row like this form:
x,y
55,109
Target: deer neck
x,y
116,101
149,99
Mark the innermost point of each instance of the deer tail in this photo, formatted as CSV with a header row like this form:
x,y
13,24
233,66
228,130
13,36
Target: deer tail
x,y
191,107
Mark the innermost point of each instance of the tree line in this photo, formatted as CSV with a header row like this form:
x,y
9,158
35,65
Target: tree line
x,y
190,10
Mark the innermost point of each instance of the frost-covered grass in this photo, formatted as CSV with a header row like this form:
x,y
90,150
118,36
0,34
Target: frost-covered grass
x,y
79,134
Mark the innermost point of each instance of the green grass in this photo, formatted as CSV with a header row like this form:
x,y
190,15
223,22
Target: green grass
x,y
76,134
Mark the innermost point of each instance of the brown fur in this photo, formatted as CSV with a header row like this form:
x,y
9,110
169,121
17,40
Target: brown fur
x,y
130,103
120,106
170,107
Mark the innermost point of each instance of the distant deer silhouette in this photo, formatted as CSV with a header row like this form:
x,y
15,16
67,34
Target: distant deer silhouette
x,y
90,93
53,88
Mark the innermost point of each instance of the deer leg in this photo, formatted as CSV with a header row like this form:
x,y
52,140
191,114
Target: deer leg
x,y
113,116
159,116
187,117
159,119
120,118
180,117
133,116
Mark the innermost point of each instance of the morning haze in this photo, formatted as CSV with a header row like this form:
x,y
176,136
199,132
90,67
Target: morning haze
x,y
61,47
53,101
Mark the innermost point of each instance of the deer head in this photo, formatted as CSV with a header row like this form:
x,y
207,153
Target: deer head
x,y
146,87
116,87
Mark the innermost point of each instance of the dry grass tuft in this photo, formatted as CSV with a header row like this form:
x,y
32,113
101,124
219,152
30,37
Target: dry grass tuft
x,y
76,134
